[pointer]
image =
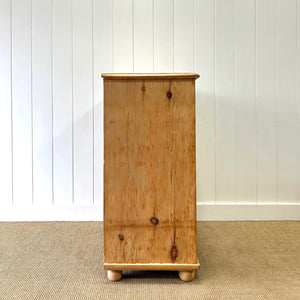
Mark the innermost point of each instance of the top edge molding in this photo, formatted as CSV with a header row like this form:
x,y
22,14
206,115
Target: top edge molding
x,y
135,76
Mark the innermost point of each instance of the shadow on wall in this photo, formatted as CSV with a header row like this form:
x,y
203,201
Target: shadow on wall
x,y
78,158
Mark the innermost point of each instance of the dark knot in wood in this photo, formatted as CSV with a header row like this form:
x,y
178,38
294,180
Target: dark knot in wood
x,y
169,95
121,237
143,88
154,221
174,252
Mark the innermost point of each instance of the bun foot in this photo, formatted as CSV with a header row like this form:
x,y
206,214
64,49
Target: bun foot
x,y
186,275
114,275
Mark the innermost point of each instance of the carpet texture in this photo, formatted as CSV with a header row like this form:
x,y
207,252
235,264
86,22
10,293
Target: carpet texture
x,y
63,260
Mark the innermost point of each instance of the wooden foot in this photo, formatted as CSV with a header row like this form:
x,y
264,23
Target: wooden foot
x,y
186,275
114,275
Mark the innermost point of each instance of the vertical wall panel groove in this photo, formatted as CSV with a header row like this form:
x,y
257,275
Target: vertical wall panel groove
x,y
72,47
194,38
173,36
297,30
143,35
276,95
266,103
112,33
123,36
153,32
62,101
245,101
183,36
298,72
11,108
215,127
93,100
255,97
298,59
288,134
225,109
5,103
103,62
31,106
52,161
83,102
204,62
133,37
21,102
41,102
163,36
235,101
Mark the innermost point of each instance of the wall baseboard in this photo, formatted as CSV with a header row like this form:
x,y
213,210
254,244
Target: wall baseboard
x,y
51,213
245,212
205,212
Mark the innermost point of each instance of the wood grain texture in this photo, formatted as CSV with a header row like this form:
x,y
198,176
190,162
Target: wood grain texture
x,y
149,171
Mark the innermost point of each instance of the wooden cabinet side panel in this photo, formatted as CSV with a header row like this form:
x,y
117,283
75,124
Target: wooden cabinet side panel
x,y
146,160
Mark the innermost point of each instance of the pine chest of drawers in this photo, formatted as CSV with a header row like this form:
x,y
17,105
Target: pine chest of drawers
x,y
149,173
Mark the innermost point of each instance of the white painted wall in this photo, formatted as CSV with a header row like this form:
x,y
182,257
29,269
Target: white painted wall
x,y
52,53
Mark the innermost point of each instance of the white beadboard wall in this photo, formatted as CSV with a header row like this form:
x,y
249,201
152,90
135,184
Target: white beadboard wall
x,y
52,53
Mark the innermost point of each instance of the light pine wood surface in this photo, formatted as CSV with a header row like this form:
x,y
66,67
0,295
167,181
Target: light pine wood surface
x,y
149,170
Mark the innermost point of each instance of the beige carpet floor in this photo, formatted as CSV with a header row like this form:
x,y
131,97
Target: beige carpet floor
x,y
63,260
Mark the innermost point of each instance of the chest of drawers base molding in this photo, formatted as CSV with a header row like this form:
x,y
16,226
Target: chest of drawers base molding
x,y
150,173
